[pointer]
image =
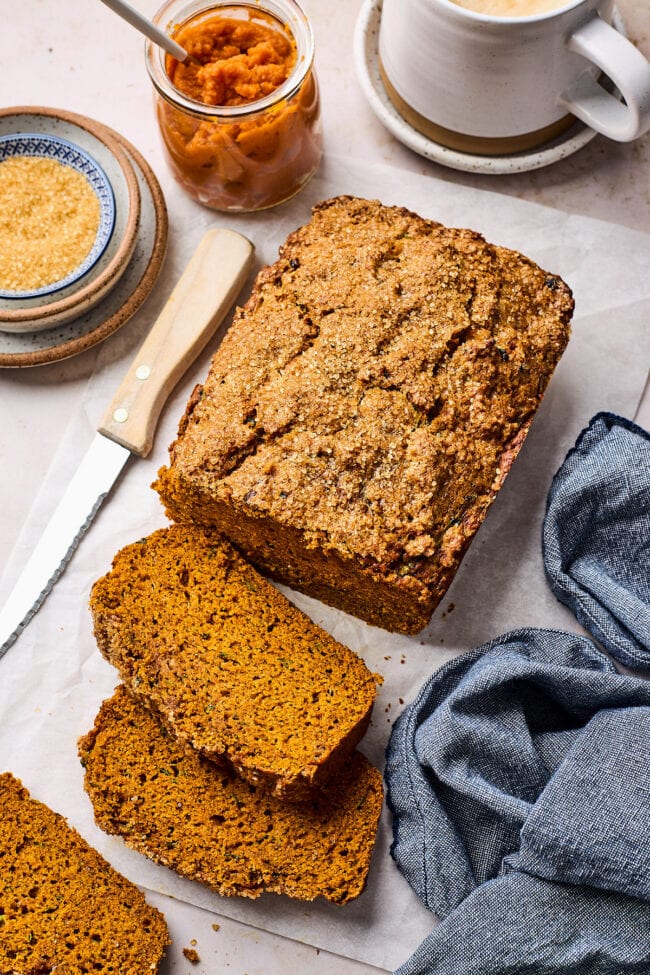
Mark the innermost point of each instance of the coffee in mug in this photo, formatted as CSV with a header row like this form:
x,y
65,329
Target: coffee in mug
x,y
510,76
510,8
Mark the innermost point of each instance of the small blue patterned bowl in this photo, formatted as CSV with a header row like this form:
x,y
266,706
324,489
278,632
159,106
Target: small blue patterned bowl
x,y
53,147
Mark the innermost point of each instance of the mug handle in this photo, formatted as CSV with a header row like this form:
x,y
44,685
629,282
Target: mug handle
x,y
621,61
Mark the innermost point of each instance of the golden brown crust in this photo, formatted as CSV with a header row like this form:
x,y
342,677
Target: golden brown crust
x,y
62,906
211,826
366,404
230,665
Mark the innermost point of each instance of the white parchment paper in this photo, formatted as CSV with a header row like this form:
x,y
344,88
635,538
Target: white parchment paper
x,y
53,679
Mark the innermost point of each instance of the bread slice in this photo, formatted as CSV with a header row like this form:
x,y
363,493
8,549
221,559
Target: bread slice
x,y
230,665
211,826
366,404
63,908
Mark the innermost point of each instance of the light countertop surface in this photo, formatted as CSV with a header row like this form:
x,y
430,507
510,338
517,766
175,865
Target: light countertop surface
x,y
77,55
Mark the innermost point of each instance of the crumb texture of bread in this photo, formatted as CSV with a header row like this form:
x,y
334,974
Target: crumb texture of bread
x,y
229,664
366,404
63,908
209,825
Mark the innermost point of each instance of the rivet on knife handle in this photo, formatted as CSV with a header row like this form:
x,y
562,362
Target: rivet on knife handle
x,y
203,295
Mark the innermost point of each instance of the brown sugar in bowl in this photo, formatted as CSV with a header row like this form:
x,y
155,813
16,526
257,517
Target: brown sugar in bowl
x,y
57,214
41,312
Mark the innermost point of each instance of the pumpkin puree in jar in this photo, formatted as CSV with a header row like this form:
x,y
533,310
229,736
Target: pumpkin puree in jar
x,y
262,157
242,61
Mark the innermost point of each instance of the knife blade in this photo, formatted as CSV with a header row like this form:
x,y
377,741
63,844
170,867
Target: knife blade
x,y
198,304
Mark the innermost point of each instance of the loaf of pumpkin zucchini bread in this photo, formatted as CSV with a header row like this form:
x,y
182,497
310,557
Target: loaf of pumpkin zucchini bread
x,y
211,826
366,404
63,908
230,665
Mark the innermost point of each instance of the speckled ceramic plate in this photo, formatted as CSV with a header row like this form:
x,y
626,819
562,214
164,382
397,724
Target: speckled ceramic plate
x,y
366,62
44,311
124,299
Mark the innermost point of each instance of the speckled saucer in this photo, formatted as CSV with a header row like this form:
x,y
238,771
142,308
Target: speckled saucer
x,y
135,283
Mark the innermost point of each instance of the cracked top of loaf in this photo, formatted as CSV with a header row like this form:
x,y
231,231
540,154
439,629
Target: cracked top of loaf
x,y
375,387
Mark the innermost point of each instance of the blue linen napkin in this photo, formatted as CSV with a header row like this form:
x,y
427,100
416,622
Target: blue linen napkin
x,y
519,781
519,778
596,536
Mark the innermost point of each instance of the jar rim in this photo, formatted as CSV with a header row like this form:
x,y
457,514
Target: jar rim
x,y
290,15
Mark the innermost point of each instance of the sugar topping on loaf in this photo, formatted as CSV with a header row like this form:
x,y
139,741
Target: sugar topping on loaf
x,y
366,404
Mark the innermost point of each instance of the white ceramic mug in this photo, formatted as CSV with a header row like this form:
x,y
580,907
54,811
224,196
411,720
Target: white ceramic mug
x,y
491,84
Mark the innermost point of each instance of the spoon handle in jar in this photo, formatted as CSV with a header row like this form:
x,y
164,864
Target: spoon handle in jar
x,y
146,27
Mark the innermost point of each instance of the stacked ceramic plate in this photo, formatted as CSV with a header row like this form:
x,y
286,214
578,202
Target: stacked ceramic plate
x,y
78,304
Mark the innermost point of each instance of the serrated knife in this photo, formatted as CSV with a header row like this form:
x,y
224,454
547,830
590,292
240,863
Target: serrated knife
x,y
198,304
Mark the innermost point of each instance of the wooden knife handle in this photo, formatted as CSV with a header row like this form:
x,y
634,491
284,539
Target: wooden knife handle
x,y
198,304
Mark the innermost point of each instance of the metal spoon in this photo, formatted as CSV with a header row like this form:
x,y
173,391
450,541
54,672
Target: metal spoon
x,y
155,34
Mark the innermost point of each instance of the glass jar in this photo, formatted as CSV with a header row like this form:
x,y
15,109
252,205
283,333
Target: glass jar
x,y
240,156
